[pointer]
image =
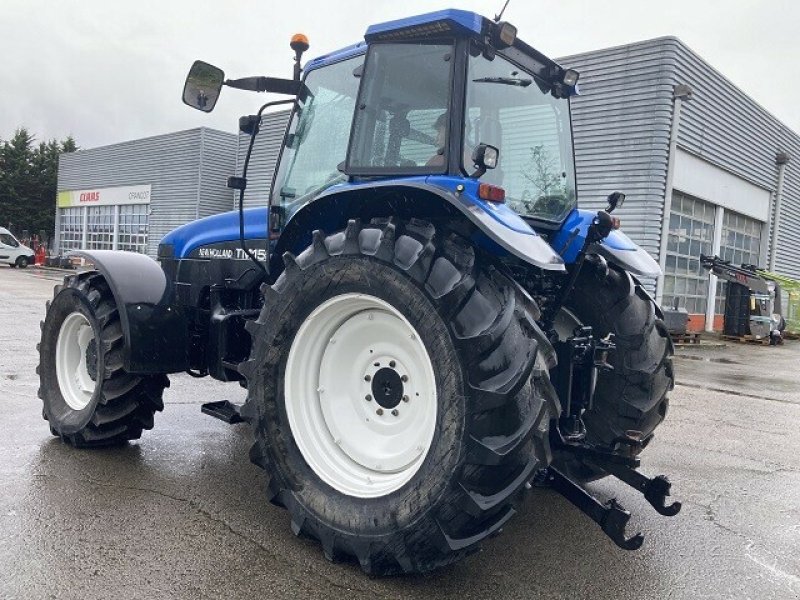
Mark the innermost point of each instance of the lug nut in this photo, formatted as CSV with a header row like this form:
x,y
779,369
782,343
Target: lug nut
x,y
392,364
395,412
368,397
405,398
404,378
367,378
379,412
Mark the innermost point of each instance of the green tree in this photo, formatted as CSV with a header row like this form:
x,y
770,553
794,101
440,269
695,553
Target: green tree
x,y
28,179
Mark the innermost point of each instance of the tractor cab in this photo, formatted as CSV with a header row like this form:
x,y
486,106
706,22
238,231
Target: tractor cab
x,y
444,95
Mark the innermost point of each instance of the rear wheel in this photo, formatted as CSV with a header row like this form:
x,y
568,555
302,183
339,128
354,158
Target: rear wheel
x,y
632,398
391,395
89,399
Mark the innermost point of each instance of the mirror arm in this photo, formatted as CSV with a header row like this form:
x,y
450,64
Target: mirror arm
x,y
479,172
275,85
252,84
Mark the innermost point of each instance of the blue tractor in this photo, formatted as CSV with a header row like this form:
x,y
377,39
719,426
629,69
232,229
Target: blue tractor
x,y
425,322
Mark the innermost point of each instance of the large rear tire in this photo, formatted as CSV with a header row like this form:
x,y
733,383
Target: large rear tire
x,y
89,399
391,394
632,398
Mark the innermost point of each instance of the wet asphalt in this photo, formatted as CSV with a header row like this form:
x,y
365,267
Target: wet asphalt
x,y
181,513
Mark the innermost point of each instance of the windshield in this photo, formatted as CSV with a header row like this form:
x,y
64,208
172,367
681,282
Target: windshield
x,y
312,154
8,240
512,110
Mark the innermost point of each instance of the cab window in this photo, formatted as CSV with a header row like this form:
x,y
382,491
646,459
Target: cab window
x,y
401,122
318,134
514,111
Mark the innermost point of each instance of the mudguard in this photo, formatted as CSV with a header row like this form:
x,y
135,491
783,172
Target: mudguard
x,y
155,330
496,221
617,248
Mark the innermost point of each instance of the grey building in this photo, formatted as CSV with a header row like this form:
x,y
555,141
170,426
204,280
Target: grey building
x,y
127,196
706,170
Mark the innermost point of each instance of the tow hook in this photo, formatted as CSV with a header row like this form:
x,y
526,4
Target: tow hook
x,y
611,516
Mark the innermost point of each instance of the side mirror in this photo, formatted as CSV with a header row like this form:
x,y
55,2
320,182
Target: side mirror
x,y
484,157
203,85
614,200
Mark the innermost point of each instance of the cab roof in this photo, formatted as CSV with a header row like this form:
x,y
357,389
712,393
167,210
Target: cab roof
x,y
450,21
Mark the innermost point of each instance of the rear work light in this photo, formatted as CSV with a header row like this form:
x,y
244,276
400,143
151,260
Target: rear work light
x,y
492,193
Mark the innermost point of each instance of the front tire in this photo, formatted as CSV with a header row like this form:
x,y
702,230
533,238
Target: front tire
x,y
401,453
22,262
89,399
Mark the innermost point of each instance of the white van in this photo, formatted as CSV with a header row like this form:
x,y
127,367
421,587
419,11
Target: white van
x,y
12,252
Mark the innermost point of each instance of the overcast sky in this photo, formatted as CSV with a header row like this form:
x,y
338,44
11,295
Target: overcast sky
x,y
106,71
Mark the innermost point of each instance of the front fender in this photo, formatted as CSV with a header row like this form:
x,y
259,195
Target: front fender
x,y
417,197
155,331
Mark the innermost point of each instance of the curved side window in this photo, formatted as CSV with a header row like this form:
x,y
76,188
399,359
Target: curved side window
x,y
318,134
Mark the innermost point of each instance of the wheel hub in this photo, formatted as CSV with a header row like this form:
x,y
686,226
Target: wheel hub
x,y
387,387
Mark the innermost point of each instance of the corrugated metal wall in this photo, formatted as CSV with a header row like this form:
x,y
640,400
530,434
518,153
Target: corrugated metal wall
x,y
621,125
263,159
724,126
218,162
176,165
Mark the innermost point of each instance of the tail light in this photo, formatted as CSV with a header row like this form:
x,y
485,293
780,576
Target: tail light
x,y
492,193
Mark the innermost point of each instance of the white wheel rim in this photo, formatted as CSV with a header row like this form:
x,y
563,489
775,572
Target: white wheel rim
x,y
343,353
77,386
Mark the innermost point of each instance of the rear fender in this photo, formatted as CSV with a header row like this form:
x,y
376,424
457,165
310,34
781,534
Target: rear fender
x,y
617,248
155,330
504,233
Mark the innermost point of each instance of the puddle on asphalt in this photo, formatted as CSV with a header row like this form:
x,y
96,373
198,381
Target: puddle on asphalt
x,y
723,360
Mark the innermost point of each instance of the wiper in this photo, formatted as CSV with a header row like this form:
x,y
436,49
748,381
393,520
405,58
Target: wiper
x,y
505,81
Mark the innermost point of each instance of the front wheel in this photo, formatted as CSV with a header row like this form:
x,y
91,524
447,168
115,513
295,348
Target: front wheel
x,y
22,262
89,399
390,391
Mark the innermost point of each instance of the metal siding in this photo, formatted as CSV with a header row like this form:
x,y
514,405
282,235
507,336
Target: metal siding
x,y
218,163
621,126
724,126
262,162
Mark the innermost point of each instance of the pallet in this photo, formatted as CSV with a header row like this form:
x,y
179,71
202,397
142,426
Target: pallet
x,y
685,339
747,339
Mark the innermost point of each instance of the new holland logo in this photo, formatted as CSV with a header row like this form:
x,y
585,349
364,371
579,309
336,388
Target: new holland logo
x,y
232,253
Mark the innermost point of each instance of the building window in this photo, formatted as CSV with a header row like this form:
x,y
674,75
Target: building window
x,y
740,244
691,233
100,228
70,234
133,228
